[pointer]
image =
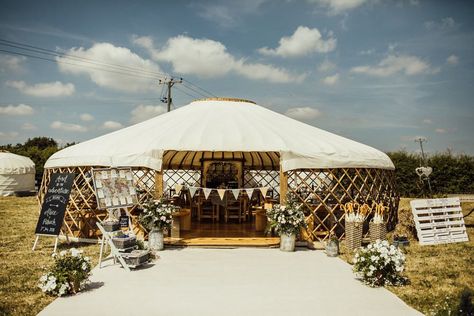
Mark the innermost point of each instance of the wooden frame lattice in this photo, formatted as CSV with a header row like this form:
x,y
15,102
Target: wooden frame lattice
x,y
188,177
323,191
81,212
263,178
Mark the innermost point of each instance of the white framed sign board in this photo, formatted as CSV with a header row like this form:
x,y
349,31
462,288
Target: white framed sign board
x,y
439,221
114,187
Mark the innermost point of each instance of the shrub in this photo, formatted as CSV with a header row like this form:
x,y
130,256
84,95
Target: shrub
x,y
288,218
69,273
379,264
157,215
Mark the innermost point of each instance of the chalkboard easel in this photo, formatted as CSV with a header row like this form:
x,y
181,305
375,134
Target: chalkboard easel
x,y
54,206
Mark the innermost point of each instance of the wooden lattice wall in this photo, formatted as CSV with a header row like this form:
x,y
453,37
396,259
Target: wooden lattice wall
x,y
81,212
323,191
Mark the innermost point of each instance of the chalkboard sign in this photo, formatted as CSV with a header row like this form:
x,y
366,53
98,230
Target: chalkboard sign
x,y
54,205
124,221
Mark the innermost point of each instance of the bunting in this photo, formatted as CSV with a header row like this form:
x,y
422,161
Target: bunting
x,y
192,191
178,188
264,191
221,193
249,192
207,192
236,193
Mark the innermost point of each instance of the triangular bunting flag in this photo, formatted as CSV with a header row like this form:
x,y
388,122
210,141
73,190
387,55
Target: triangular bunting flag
x,y
249,192
264,191
221,193
236,193
192,191
178,188
207,192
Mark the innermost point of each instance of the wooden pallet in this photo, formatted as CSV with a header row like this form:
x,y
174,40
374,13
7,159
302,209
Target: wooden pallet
x,y
439,221
223,242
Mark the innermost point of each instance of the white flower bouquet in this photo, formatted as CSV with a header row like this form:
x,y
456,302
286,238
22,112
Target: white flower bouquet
x,y
380,264
157,215
287,219
69,273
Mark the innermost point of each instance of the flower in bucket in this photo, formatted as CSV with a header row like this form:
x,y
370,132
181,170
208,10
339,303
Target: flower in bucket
x,y
69,273
157,215
287,219
380,264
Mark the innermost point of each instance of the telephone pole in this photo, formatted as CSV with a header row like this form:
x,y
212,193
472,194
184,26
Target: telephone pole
x,y
169,84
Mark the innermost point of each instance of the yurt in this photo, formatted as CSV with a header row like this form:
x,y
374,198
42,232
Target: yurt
x,y
17,174
256,155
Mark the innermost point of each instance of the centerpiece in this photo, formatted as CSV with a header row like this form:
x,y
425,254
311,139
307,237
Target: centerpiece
x,y
287,220
156,218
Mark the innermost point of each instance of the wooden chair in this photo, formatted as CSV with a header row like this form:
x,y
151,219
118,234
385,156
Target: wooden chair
x,y
235,209
207,210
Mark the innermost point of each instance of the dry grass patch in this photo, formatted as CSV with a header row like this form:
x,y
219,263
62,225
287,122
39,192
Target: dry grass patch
x,y
20,267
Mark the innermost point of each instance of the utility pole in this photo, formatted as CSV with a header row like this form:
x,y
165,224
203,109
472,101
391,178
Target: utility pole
x,y
423,171
169,83
421,140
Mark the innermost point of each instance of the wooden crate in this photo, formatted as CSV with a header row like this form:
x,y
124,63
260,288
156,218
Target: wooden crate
x,y
439,221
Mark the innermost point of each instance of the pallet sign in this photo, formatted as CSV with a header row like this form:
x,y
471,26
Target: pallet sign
x,y
439,221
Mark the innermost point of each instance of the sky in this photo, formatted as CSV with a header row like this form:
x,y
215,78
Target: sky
x,y
379,72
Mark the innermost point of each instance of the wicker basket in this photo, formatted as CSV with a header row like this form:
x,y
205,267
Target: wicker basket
x,y
124,242
111,226
136,257
353,235
377,231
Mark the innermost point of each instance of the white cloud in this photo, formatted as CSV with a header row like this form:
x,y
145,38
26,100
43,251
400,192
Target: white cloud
x,y
20,109
48,89
303,113
209,58
339,6
427,121
11,63
452,60
326,66
145,112
8,135
68,127
86,117
304,41
111,125
444,24
108,76
330,80
440,130
392,64
28,127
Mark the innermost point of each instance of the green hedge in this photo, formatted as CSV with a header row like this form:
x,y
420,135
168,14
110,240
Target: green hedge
x,y
452,174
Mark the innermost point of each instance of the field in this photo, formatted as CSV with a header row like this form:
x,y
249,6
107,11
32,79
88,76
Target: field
x,y
437,273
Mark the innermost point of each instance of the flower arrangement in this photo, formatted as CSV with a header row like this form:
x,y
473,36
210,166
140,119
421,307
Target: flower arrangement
x,y
287,219
380,264
157,215
69,273
354,212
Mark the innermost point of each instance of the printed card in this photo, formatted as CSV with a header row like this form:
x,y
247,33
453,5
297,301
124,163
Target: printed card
x,y
98,183
100,194
115,201
122,173
123,201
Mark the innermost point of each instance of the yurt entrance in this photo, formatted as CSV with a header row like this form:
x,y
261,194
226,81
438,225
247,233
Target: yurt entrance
x,y
225,197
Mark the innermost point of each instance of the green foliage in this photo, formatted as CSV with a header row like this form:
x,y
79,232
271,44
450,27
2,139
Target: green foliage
x,y
288,218
452,174
465,307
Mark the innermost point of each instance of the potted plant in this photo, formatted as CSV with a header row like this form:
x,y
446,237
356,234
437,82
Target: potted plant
x,y
157,217
68,275
287,220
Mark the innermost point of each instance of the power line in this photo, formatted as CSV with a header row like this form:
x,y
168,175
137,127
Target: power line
x,y
202,89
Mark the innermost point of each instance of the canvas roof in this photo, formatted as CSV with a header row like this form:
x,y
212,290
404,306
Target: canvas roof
x,y
221,128
15,164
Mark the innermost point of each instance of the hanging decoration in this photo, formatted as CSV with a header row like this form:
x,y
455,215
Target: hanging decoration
x,y
221,193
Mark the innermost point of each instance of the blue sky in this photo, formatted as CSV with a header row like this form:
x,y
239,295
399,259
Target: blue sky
x,y
379,72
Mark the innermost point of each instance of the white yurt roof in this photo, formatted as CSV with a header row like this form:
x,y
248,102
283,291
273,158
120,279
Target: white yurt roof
x,y
225,126
15,164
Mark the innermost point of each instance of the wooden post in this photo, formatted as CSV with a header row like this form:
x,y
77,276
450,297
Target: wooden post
x,y
283,185
158,184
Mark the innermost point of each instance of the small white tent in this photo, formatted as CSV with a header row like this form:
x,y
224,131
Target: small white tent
x,y
17,174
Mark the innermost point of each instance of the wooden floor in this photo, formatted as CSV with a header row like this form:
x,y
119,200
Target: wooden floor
x,y
222,235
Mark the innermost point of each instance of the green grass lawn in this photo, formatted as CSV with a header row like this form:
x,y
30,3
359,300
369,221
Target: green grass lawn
x,y
437,273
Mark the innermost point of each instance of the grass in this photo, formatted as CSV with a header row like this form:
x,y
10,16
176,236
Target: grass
x,y
437,273
20,268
